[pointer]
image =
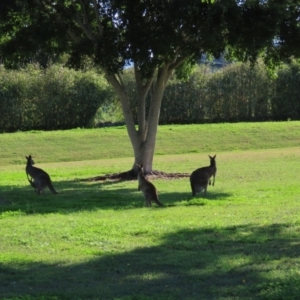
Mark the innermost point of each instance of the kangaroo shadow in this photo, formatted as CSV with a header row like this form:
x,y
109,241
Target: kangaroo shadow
x,y
235,262
77,195
185,198
72,196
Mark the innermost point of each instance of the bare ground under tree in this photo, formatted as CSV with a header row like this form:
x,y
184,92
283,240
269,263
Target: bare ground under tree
x,y
130,175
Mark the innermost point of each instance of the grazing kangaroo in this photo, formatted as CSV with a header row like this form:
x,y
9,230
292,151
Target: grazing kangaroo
x,y
41,179
200,178
148,188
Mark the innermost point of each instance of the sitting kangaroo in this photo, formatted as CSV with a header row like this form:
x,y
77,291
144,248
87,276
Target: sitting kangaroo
x,y
41,179
148,188
200,178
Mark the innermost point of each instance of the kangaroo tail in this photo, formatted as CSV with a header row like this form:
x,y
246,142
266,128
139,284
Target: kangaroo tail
x,y
52,189
158,202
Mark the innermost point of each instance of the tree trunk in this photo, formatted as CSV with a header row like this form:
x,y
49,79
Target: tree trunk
x,y
144,144
143,138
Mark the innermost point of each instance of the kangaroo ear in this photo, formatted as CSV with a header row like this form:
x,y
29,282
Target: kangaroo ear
x,y
215,156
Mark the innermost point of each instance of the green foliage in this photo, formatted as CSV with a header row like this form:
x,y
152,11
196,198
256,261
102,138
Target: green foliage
x,y
109,114
54,98
286,101
59,98
238,92
125,30
185,70
182,101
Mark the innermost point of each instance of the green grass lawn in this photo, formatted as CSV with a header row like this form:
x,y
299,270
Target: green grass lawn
x,y
96,240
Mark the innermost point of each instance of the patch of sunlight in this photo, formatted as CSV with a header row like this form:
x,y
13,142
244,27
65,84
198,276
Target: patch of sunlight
x,y
147,276
8,214
229,262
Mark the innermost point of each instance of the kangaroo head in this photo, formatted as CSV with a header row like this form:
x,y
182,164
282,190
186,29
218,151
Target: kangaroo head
x,y
212,159
140,168
29,160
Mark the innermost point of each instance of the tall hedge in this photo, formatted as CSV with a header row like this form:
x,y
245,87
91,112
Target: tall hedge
x,y
234,93
239,93
54,98
185,102
286,99
59,98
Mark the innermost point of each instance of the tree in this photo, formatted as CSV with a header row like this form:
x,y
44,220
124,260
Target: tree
x,y
159,37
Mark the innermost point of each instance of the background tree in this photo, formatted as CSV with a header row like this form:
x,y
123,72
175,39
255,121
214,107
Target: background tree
x,y
159,37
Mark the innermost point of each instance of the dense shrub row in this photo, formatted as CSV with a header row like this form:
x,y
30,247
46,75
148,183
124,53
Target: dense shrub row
x,y
59,98
235,93
55,98
286,96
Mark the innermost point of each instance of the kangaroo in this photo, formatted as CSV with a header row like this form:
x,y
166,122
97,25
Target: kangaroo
x,y
148,188
39,183
199,181
200,178
41,179
31,181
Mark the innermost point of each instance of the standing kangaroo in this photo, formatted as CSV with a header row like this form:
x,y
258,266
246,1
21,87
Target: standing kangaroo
x,y
31,181
40,182
41,179
148,188
200,178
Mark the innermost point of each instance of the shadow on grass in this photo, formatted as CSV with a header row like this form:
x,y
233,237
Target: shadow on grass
x,y
72,196
240,262
78,195
186,199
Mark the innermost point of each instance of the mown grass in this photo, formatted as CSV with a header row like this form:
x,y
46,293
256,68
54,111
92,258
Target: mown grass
x,y
98,241
104,143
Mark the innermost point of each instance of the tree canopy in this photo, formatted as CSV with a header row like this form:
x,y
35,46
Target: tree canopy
x,y
116,32
159,37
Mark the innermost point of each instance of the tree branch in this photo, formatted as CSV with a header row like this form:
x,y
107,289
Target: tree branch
x,y
178,62
73,36
84,26
139,81
120,81
97,14
130,125
141,97
174,65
